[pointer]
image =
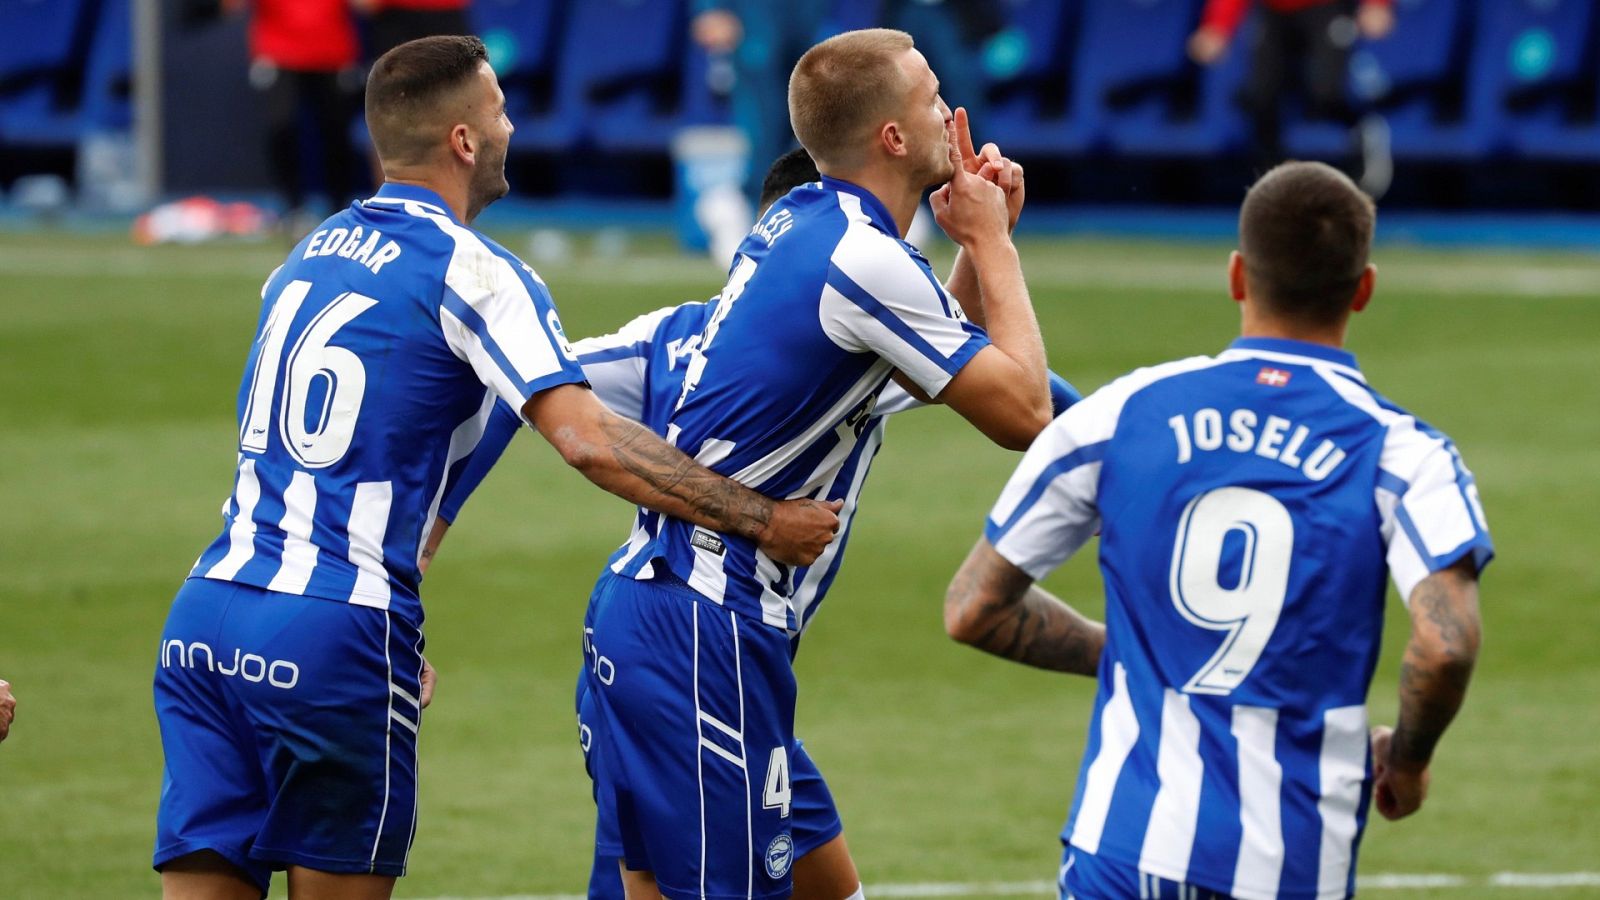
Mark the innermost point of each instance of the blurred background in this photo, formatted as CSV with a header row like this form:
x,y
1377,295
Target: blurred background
x,y
1135,115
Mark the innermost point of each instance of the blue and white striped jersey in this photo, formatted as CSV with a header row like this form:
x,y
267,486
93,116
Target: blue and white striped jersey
x,y
1253,503
822,304
366,382
638,372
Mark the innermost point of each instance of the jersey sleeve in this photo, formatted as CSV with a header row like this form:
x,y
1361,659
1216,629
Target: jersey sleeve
x,y
1428,503
895,399
1050,507
502,426
617,364
879,299
498,317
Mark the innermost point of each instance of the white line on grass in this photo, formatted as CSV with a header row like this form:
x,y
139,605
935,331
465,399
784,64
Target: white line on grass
x,y
1381,882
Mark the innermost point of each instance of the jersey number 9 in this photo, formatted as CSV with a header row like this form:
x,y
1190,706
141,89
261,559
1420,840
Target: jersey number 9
x,y
1263,536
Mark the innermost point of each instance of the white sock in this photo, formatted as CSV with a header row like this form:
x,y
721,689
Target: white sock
x,y
860,894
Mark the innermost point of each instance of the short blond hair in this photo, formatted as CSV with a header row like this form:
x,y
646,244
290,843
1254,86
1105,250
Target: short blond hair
x,y
842,88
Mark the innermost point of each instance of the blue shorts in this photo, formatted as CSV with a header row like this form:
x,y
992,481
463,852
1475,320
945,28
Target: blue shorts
x,y
814,819
1085,876
289,728
689,723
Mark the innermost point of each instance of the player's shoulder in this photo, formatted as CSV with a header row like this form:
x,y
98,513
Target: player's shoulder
x,y
1095,418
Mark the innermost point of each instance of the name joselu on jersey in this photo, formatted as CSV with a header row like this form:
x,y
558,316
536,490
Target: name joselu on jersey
x,y
1275,440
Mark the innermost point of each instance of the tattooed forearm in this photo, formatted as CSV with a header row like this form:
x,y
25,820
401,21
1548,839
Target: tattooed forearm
x,y
995,607
675,480
1440,656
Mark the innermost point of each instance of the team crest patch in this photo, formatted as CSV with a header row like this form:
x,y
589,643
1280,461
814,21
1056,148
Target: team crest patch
x,y
780,853
705,540
1272,377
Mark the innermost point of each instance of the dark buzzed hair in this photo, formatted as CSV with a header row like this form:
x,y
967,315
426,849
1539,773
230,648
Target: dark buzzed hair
x,y
1305,232
406,85
787,172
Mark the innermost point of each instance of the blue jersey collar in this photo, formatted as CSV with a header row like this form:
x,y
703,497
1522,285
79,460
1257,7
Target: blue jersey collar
x,y
1290,347
877,213
415,193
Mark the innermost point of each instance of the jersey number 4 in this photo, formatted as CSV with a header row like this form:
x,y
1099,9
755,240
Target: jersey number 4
x,y
1259,532
316,433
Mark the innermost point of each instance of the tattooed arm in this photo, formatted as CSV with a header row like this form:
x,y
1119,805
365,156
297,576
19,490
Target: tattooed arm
x,y
996,607
629,460
1445,632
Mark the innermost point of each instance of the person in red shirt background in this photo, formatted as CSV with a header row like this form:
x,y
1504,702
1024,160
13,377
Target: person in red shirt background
x,y
304,55
1320,34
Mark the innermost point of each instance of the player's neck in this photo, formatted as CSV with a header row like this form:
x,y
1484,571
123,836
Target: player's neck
x,y
890,189
1256,325
454,195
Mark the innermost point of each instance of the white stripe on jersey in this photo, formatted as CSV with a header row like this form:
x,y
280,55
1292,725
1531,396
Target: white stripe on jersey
x,y
881,267
1343,768
463,440
369,523
479,277
1169,838
1260,863
759,471
299,554
242,533
1442,515
806,594
1119,731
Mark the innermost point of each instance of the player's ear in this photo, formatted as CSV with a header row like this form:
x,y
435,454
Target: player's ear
x,y
1236,282
463,143
1369,280
893,142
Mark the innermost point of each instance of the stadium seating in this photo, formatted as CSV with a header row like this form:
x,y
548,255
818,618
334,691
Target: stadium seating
x,y
632,99
1032,111
525,39
1132,71
41,76
1537,70
1417,78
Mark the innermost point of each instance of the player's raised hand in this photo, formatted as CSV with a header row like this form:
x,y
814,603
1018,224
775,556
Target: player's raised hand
x,y
970,209
990,164
800,530
1397,791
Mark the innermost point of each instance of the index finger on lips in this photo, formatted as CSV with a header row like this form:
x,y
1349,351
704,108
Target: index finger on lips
x,y
964,133
952,135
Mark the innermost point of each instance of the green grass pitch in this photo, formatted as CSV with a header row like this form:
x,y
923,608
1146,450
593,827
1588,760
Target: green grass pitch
x,y
118,368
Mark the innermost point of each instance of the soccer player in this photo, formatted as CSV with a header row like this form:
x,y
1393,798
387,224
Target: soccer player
x,y
638,371
1251,504
688,655
289,673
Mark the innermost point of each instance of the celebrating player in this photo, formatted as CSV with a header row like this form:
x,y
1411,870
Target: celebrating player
x,y
1251,504
638,371
690,686
289,678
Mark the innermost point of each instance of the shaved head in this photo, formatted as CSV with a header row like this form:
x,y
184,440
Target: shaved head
x,y
843,89
417,92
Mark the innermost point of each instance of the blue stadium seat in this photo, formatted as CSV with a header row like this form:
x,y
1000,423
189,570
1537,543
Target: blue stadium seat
x,y
525,39
1031,112
1151,100
108,78
1417,79
1537,70
41,69
633,99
